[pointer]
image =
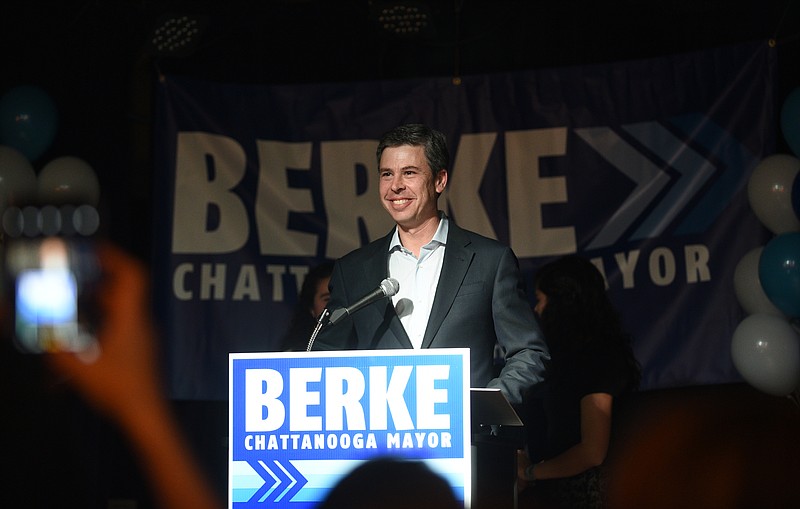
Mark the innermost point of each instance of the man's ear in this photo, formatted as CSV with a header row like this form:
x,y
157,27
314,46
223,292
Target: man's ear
x,y
441,181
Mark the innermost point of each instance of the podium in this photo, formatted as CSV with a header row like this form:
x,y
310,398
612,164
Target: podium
x,y
494,451
300,421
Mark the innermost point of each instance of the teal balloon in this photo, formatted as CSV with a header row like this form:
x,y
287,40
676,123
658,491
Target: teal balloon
x,y
779,272
28,120
790,120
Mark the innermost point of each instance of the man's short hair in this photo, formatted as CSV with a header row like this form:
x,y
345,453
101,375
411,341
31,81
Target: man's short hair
x,y
418,135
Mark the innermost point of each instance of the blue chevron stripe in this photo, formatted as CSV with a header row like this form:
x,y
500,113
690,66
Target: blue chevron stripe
x,y
281,481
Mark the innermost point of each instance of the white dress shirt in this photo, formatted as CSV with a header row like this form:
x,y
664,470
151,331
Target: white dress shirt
x,y
418,278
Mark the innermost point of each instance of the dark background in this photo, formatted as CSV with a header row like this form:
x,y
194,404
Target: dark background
x,y
95,60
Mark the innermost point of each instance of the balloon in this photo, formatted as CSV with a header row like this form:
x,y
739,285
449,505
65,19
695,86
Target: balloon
x,y
748,287
779,272
70,180
770,192
17,178
766,352
28,120
790,120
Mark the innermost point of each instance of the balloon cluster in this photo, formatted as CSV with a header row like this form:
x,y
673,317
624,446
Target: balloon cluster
x,y
766,345
28,124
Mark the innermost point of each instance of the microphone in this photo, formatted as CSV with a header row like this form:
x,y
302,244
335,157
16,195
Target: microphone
x,y
388,287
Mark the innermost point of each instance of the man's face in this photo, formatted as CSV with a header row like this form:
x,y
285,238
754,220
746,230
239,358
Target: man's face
x,y
407,186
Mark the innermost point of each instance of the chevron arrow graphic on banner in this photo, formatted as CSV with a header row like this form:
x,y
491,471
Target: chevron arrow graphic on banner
x,y
280,481
737,159
694,171
649,179
676,181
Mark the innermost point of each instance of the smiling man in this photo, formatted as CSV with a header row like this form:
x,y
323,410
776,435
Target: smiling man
x,y
457,288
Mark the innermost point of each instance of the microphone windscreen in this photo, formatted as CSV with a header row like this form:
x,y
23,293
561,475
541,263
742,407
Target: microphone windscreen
x,y
390,287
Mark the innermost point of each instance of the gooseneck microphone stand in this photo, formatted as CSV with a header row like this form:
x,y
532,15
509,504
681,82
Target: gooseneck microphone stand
x,y
321,321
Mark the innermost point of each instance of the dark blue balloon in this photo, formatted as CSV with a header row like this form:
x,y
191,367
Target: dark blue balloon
x,y
28,120
779,272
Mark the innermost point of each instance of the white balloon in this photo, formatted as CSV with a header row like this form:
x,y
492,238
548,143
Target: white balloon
x,y
69,180
17,178
769,190
747,286
766,352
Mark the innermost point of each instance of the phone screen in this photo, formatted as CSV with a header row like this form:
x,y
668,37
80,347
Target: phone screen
x,y
47,310
48,283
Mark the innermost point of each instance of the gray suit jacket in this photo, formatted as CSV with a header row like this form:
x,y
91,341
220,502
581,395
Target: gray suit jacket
x,y
480,300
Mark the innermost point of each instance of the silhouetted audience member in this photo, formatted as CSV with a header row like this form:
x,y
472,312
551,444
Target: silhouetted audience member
x,y
391,483
314,296
570,424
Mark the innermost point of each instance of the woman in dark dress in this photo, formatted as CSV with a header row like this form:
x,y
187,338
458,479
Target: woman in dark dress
x,y
570,422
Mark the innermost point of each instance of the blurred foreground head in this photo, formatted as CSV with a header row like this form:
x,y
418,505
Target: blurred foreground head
x,y
391,483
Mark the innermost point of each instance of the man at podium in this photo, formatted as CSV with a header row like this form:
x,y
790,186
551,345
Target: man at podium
x,y
447,287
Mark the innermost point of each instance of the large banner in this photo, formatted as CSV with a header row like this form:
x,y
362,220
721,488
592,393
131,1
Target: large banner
x,y
641,166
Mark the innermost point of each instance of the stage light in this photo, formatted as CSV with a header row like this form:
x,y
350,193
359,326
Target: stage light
x,y
176,35
403,19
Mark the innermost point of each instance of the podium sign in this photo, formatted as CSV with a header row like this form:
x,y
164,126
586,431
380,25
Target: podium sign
x,y
300,421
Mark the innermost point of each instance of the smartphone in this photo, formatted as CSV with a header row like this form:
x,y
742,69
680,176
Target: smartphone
x,y
52,282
